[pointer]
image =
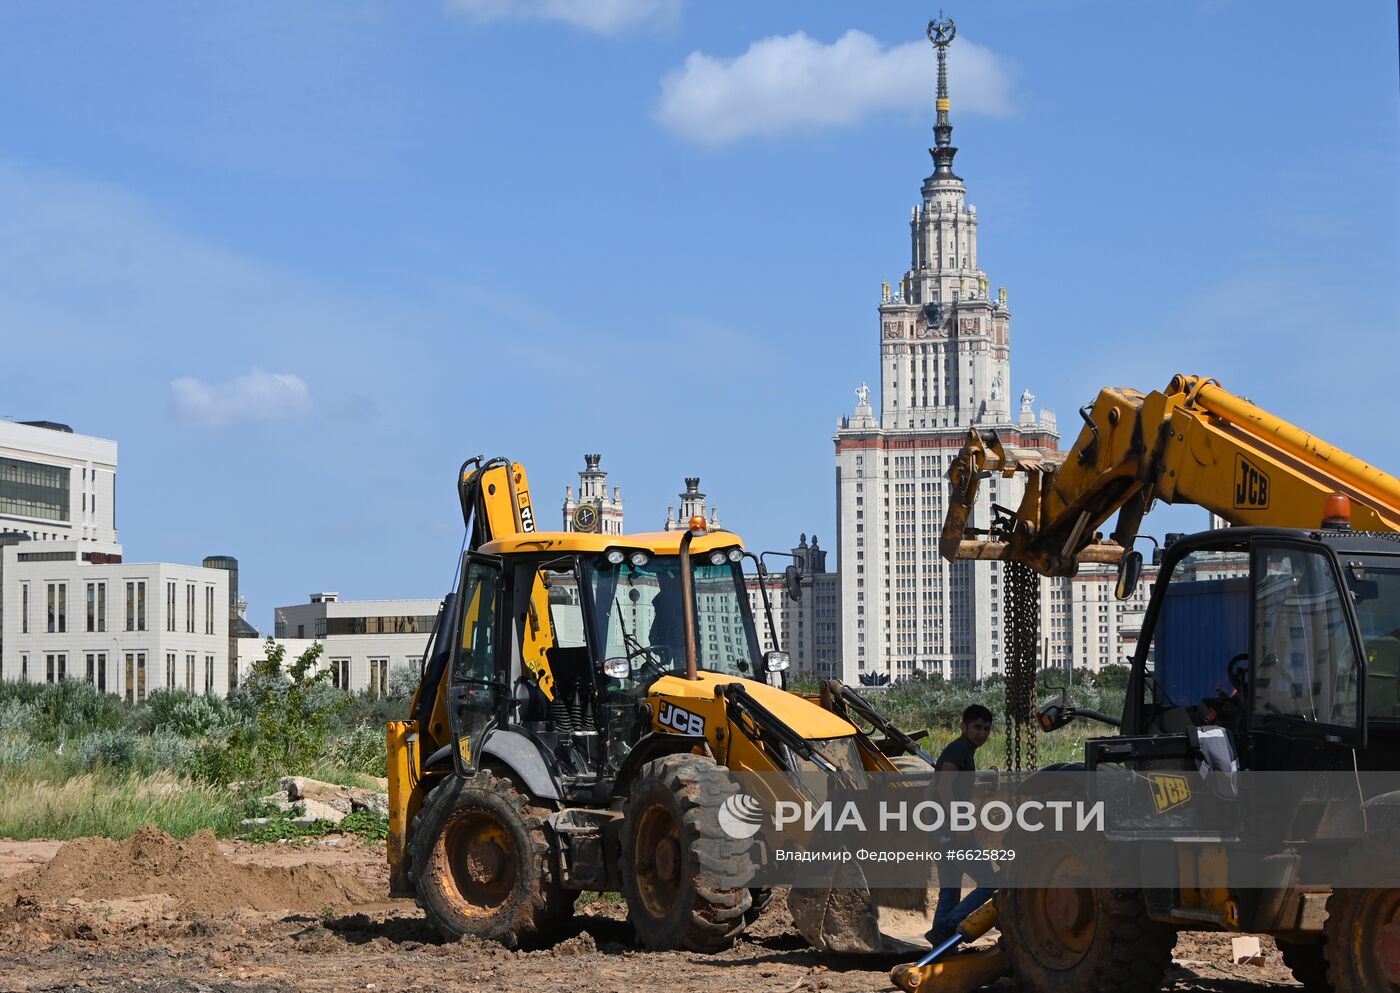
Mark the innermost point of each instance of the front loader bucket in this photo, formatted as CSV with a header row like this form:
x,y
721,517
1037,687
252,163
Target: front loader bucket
x,y
848,917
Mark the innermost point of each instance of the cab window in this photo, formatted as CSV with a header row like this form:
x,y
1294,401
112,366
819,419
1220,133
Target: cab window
x,y
1305,665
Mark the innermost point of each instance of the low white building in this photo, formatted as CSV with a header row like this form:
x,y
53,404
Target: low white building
x,y
361,640
126,627
71,608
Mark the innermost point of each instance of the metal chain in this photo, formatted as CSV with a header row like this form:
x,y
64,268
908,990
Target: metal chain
x,y
1021,616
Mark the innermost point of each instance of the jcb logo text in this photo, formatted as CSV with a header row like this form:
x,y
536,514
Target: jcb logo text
x,y
1251,485
671,716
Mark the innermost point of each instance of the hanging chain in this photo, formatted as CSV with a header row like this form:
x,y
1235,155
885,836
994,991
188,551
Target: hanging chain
x,y
1021,616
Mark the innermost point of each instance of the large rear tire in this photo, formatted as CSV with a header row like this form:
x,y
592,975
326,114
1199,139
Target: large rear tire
x,y
1361,939
680,870
482,864
1073,937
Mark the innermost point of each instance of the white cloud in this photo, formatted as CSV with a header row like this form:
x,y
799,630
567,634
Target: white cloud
x,y
258,396
795,83
601,16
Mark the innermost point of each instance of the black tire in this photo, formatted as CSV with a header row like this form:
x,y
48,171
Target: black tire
x,y
1074,937
482,864
1308,963
679,868
1354,922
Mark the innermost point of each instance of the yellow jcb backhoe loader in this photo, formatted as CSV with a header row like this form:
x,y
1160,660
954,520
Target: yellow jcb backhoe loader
x,y
582,705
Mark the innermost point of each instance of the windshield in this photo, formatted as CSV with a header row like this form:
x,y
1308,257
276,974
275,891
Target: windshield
x,y
637,614
1376,594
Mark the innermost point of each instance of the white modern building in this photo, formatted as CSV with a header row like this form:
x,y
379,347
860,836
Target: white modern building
x,y
1083,625
361,640
70,606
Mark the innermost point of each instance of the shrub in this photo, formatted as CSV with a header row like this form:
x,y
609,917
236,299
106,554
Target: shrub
x,y
403,681
16,751
72,709
363,749
114,749
16,715
165,750
295,711
186,714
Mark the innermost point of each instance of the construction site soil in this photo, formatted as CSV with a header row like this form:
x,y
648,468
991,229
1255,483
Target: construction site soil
x,y
202,916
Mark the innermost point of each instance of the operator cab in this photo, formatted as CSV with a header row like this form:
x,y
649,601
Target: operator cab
x,y
561,635
1287,640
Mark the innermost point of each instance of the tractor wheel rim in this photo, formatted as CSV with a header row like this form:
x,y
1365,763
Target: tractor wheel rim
x,y
483,860
1062,913
1377,939
657,852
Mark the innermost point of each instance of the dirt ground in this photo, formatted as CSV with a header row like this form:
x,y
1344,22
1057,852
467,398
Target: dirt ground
x,y
159,916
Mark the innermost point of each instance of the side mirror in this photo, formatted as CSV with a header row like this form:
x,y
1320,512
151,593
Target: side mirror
x,y
618,668
776,661
792,582
1129,570
1052,717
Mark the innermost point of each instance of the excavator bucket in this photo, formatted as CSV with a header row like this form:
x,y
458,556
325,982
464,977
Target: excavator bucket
x,y
848,917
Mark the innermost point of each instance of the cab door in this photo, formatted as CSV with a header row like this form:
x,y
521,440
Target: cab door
x,y
1307,680
476,692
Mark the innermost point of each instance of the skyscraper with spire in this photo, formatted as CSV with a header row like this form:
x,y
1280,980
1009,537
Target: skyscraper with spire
x,y
945,368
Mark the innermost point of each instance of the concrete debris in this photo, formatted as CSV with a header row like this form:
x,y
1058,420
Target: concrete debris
x,y
318,810
280,801
376,803
346,799
1245,950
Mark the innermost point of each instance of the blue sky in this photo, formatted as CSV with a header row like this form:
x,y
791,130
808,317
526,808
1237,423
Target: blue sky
x,y
302,259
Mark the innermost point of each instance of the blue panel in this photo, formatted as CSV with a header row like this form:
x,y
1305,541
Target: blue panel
x,y
1203,625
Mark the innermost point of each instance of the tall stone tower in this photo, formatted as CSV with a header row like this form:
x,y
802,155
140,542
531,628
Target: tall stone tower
x,y
692,505
594,510
945,368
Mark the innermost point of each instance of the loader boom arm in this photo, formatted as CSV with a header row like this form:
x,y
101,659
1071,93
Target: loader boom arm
x,y
1193,443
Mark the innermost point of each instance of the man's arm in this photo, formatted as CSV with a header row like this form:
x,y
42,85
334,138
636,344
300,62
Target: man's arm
x,y
945,784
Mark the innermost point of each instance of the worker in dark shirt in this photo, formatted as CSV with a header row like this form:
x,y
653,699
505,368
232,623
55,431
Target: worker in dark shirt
x,y
958,760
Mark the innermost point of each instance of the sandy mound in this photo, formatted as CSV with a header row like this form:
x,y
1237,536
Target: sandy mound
x,y
193,872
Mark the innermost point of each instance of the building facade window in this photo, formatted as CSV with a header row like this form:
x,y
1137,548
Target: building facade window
x,y
189,673
189,608
170,606
131,606
208,674
208,610
24,608
140,605
57,667
58,608
30,489
340,674
24,668
96,606
169,670
379,677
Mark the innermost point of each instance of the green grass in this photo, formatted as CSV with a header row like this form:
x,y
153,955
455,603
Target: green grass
x,y
110,804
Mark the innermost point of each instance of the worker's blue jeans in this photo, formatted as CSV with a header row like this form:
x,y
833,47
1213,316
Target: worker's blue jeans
x,y
953,908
